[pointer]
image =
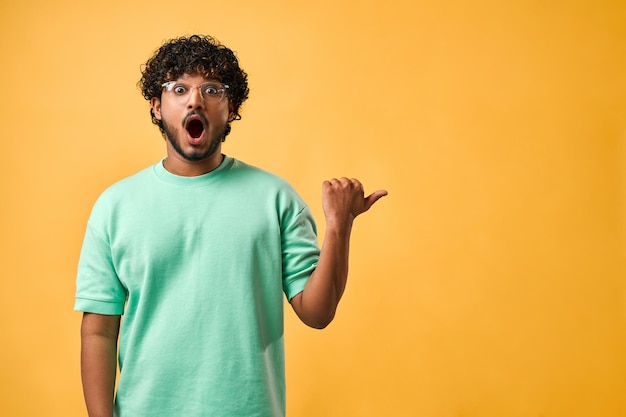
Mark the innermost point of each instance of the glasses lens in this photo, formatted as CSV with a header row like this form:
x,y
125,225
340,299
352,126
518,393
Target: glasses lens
x,y
211,91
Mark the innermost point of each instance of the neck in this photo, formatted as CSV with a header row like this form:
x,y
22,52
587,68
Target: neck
x,y
184,168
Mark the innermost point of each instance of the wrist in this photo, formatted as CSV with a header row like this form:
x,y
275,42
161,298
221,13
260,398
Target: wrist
x,y
339,225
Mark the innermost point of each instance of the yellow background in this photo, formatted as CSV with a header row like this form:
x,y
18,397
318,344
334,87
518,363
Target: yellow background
x,y
490,283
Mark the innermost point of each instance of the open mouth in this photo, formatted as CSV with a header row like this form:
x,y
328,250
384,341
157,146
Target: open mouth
x,y
195,127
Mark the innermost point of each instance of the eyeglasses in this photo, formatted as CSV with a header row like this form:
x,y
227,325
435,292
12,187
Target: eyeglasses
x,y
211,92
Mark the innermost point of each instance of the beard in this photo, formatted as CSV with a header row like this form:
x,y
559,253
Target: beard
x,y
171,135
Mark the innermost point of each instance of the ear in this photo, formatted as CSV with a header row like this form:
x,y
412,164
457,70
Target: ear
x,y
231,112
156,107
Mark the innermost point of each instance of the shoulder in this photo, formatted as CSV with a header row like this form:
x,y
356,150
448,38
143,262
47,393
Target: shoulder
x,y
131,182
242,170
123,189
265,185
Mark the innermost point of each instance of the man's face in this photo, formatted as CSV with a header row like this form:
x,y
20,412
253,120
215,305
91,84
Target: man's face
x,y
194,117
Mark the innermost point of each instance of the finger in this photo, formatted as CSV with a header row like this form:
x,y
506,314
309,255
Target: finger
x,y
330,182
357,184
374,197
344,181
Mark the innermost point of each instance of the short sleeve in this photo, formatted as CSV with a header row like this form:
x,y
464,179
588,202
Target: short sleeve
x,y
98,289
300,251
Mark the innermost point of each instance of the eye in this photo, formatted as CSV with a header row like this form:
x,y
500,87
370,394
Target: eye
x,y
179,89
211,90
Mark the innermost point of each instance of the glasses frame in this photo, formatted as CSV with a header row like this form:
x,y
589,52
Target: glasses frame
x,y
169,87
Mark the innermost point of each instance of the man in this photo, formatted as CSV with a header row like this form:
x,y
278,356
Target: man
x,y
196,253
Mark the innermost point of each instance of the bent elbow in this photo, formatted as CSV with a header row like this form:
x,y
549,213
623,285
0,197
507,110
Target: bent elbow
x,y
313,314
320,323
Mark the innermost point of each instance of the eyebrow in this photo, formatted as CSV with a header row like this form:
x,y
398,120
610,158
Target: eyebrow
x,y
182,78
203,82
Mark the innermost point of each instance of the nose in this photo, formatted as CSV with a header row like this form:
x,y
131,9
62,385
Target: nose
x,y
195,101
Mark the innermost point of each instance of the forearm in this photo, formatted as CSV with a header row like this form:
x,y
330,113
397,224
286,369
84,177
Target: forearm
x,y
318,302
98,369
343,200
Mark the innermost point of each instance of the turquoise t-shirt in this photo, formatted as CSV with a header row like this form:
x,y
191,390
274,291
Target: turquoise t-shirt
x,y
198,267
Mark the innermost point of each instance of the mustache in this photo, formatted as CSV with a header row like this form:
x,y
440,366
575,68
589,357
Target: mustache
x,y
197,114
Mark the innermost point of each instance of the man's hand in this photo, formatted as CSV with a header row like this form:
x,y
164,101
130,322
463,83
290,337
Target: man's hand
x,y
343,199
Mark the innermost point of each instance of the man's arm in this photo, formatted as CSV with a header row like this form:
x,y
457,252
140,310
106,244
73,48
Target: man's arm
x,y
343,200
99,362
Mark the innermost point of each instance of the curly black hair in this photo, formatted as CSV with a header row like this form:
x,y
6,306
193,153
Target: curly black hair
x,y
196,54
